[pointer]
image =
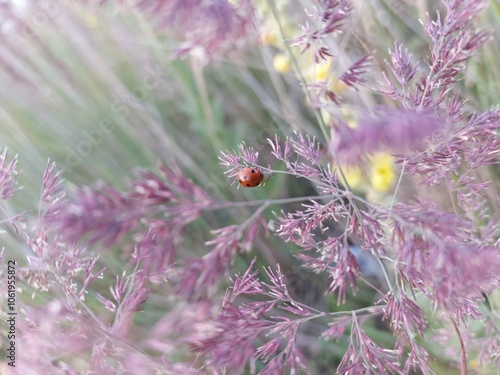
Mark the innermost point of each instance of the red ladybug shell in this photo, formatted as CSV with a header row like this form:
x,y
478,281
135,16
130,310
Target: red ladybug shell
x,y
250,177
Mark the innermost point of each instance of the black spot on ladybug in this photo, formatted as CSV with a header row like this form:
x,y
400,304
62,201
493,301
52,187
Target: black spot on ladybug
x,y
250,177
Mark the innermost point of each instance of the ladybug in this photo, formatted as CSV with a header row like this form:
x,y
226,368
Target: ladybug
x,y
250,177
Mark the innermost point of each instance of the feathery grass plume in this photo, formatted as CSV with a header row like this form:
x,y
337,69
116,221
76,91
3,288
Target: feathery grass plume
x,y
162,205
245,156
66,273
473,143
470,140
354,76
52,256
63,271
433,247
325,93
8,177
364,356
386,129
9,188
102,213
454,40
200,276
326,17
207,29
302,157
241,324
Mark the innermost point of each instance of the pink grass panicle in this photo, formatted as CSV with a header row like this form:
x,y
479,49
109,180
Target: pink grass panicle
x,y
326,17
206,30
105,214
8,177
235,160
241,323
384,130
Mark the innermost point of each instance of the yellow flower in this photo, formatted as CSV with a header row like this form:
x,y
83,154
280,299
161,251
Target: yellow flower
x,y
353,175
382,175
350,118
90,20
473,364
338,87
352,123
282,63
321,71
268,38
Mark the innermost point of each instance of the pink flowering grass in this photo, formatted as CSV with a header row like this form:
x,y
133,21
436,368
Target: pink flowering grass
x,y
174,270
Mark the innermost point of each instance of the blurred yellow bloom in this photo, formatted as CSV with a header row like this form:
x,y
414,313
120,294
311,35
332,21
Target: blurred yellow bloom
x,y
326,116
91,20
382,175
350,118
338,87
473,364
353,175
352,123
282,63
321,71
268,38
